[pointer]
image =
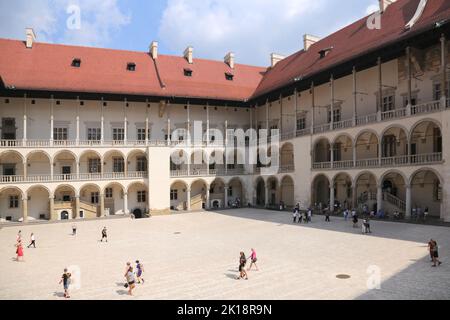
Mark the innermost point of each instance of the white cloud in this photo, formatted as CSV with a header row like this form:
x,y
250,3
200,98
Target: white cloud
x,y
99,19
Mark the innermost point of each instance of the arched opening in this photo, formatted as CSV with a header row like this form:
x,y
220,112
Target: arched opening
x,y
426,192
114,203
272,184
179,162
288,192
38,203
260,192
394,192
38,165
343,148
137,198
114,164
12,165
321,191
217,194
366,191
198,195
367,148
64,203
64,164
394,146
287,158
426,142
178,196
343,191
90,201
90,164
199,163
322,151
235,161
11,204
236,196
137,162
216,162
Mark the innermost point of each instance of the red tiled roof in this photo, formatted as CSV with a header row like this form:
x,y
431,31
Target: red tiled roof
x,y
353,40
48,67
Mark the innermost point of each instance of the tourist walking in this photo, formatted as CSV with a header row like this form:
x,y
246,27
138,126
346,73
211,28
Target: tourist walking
x,y
139,272
242,263
294,215
65,280
345,214
19,236
434,252
104,235
19,251
367,223
253,260
74,230
327,216
32,241
355,220
129,276
425,214
309,215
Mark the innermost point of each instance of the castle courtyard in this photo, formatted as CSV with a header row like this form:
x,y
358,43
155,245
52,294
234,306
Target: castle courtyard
x,y
195,256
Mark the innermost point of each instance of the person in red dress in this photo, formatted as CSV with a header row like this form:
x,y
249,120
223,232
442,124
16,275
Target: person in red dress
x,y
19,251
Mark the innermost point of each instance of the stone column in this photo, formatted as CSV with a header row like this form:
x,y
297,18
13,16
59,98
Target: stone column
x,y
380,89
146,124
125,203
281,117
168,125
77,138
408,202
25,165
267,195
379,197
52,216
409,80
25,120
188,199
332,197
332,102
102,205
77,207
52,121
267,117
332,154
443,71
207,206
52,169
354,196
102,125
355,98
313,116
77,165
207,127
125,122
25,208
225,205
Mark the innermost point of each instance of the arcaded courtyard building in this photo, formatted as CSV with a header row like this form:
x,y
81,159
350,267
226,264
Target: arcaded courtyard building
x,y
363,119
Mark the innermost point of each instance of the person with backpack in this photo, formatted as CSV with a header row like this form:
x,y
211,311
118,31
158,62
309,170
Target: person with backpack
x,y
242,263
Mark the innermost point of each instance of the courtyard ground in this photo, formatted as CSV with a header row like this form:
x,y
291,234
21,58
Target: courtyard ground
x,y
195,256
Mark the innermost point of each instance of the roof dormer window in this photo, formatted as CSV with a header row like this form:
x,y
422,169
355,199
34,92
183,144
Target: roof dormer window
x,y
76,63
229,76
187,72
323,53
131,66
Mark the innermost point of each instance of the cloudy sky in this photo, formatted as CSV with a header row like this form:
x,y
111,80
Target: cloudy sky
x,y
251,28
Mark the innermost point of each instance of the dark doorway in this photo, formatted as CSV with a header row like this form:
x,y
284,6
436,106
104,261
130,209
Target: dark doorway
x,y
64,215
137,213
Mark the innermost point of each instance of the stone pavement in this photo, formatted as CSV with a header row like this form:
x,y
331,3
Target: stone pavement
x,y
195,256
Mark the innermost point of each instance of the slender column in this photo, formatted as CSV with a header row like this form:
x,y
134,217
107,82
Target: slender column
x,y
296,111
102,124
25,208
379,197
332,154
25,120
52,166
313,116
188,129
380,150
51,120
226,147
207,126
408,202
125,167
77,207
225,205
102,205
332,102
168,125
443,71
281,116
25,165
146,123
332,197
77,139
188,202
380,89
354,196
125,203
125,123
354,154
409,80
267,116
51,205
77,170
207,197
355,98
267,195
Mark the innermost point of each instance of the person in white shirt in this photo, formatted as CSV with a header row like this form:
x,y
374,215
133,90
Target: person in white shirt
x,y
33,241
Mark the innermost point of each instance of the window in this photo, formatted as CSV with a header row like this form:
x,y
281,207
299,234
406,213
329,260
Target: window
x,y
187,72
94,134
437,140
118,165
141,196
301,123
173,194
118,134
141,134
388,103
167,137
13,202
389,146
141,164
94,197
336,115
76,63
60,134
95,165
131,66
108,193
230,191
413,101
229,76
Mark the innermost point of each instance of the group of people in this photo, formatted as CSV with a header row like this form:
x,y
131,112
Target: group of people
x,y
132,275
434,254
19,245
299,216
418,214
243,262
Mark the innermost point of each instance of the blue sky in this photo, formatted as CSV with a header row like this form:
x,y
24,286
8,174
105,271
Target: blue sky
x,y
252,29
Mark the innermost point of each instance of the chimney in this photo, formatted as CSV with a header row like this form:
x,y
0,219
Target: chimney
x,y
384,4
31,37
275,58
229,59
188,54
154,50
309,40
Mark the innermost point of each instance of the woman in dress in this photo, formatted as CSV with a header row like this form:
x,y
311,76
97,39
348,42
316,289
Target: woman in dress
x,y
19,251
139,271
129,275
